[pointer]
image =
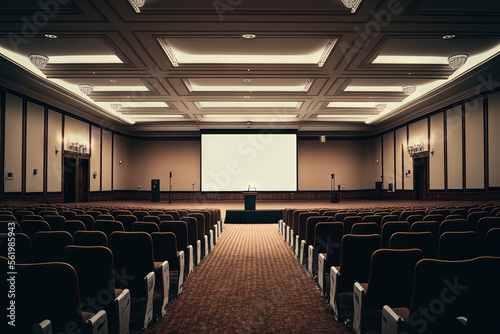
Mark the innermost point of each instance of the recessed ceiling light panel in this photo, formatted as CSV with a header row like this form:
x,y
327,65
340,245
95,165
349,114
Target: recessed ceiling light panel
x,y
249,36
51,36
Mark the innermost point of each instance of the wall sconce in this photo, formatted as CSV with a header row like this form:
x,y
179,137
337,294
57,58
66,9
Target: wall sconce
x,y
57,150
408,173
94,175
78,148
414,149
35,171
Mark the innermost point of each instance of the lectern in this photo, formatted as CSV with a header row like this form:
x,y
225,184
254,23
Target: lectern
x,y
250,199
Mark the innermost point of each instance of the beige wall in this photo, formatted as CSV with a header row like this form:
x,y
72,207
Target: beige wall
x,y
388,161
401,145
494,139
35,116
107,165
54,160
454,147
122,163
474,144
155,160
418,134
13,142
95,159
76,131
436,159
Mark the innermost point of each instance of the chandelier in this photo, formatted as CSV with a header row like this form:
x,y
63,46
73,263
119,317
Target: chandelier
x,y
457,61
116,106
137,4
86,89
381,107
414,149
351,4
78,148
408,90
40,61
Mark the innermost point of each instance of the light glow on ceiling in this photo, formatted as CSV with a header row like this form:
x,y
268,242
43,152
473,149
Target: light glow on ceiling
x,y
250,115
372,89
120,89
429,60
249,104
139,104
352,104
86,59
247,88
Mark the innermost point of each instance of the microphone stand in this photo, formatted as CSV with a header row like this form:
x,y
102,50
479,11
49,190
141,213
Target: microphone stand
x,y
170,189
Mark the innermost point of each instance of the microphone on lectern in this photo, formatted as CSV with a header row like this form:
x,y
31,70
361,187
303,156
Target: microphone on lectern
x,y
170,174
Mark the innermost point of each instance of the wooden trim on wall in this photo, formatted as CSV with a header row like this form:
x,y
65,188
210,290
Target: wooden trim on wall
x,y
2,143
23,146
486,144
45,146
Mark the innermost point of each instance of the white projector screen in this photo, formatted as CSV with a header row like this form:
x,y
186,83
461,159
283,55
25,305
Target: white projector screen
x,y
233,162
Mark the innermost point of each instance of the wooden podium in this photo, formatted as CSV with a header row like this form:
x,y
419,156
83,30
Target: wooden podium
x,y
250,199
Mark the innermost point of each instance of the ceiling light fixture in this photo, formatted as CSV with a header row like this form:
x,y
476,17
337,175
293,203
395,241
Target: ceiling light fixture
x,y
86,89
457,61
116,106
249,36
51,36
450,36
137,4
408,90
381,106
40,61
351,4
247,80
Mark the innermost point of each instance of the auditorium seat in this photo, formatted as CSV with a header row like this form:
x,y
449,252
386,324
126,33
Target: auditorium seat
x,y
442,291
414,218
495,211
32,217
71,226
202,234
48,246
67,214
484,225
90,238
460,211
444,212
93,213
356,252
453,225
133,254
165,249
10,226
88,220
31,227
180,229
390,282
339,217
424,241
175,215
365,229
24,249
373,219
19,214
108,227
309,239
389,228
349,221
492,243
193,239
8,218
105,216
325,252
127,220
456,246
474,217
156,212
49,298
434,217
148,227
454,216
95,269
426,226
116,213
152,219
407,213
55,222
165,217
300,233
140,214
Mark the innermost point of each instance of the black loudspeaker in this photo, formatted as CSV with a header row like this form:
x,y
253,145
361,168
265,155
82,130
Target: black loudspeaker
x,y
155,190
334,198
378,190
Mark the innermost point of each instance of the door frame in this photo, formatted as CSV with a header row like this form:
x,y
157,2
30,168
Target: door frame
x,y
416,167
78,171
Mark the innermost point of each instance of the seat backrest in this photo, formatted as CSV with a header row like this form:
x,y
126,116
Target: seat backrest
x,y
356,253
93,213
49,291
156,212
90,238
349,221
365,228
495,211
443,212
165,247
330,212
414,218
9,226
180,229
200,221
152,219
48,246
140,214
424,241
391,277
389,228
133,255
94,267
105,216
434,217
148,227
192,229
328,239
55,222
455,246
339,217
67,214
311,226
295,220
454,216
453,225
19,214
32,217
407,213
372,219
474,217
24,250
492,243
165,217
108,227
8,218
302,223
88,220
426,226
31,227
173,213
72,226
127,220
484,225
116,213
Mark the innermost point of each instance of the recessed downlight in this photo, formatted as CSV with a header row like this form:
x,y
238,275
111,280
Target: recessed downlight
x,y
52,36
450,36
249,36
247,80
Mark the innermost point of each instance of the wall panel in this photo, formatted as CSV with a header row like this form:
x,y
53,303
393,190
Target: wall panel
x,y
107,165
401,156
95,159
54,143
454,147
122,163
35,117
436,159
13,143
418,134
474,144
494,139
388,159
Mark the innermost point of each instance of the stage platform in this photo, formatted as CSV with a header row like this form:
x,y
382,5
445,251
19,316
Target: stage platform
x,y
253,216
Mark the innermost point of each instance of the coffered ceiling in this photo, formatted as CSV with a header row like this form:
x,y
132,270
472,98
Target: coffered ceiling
x,y
176,67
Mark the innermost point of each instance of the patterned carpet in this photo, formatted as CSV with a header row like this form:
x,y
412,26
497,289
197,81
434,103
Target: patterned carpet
x,y
249,283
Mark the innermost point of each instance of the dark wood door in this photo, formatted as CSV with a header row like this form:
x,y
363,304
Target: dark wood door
x,y
69,171
83,180
421,177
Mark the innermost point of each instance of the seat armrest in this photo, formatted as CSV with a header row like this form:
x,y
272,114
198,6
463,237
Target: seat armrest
x,y
460,325
165,285
321,272
359,301
149,281
191,260
207,245
182,262
302,250
44,327
198,252
391,321
334,281
123,309
310,250
216,234
98,324
297,246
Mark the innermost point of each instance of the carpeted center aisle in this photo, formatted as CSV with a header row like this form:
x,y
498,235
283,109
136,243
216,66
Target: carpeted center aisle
x,y
249,283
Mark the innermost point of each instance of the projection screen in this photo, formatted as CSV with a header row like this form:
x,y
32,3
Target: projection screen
x,y
235,162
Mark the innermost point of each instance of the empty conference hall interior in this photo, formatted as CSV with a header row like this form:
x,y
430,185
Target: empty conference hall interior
x,y
250,166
